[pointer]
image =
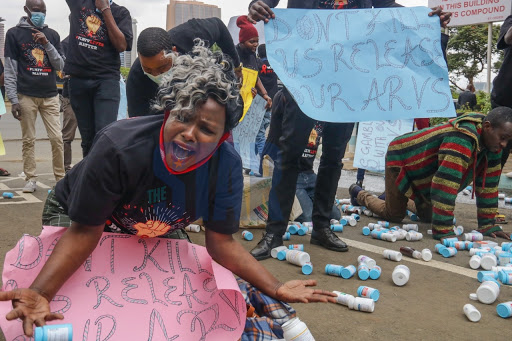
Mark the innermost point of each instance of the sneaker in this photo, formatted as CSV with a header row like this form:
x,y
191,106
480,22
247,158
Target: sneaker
x,y
30,187
354,190
509,175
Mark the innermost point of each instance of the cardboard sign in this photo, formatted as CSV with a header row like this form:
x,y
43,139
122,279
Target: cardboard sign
x,y
133,289
373,139
361,65
244,134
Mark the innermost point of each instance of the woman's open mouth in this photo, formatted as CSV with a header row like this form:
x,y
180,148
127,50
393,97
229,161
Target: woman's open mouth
x,y
182,152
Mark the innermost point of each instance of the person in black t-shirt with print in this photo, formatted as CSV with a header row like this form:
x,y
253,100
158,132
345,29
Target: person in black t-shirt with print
x,y
171,169
99,31
32,56
154,46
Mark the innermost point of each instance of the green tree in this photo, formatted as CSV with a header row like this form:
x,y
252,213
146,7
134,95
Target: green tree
x,y
467,52
124,72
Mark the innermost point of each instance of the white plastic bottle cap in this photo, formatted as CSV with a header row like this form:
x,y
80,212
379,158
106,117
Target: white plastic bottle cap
x,y
472,313
488,292
488,261
401,275
426,255
474,262
473,296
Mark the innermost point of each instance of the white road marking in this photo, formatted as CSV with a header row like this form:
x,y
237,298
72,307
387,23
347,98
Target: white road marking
x,y
29,198
433,263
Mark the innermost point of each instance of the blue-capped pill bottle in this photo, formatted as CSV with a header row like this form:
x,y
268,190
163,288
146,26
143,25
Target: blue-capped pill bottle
x,y
55,332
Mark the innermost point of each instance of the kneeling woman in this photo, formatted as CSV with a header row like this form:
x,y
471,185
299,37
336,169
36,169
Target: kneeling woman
x,y
152,176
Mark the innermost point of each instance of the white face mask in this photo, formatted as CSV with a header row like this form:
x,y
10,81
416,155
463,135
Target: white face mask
x,y
158,79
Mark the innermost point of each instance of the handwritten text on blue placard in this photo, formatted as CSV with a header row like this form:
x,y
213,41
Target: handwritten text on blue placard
x,y
361,65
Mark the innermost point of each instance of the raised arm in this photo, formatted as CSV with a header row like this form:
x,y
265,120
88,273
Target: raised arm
x,y
117,38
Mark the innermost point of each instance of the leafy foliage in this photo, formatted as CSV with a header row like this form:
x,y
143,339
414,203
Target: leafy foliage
x,y
467,52
124,72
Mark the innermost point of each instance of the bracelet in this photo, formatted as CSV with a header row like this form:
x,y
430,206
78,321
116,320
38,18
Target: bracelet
x,y
239,67
104,9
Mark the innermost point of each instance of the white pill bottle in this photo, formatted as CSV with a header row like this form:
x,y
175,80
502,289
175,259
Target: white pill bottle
x,y
296,330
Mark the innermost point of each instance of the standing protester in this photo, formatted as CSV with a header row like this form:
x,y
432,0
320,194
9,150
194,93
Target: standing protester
x,y
154,62
3,172
248,43
269,80
467,98
99,31
32,57
2,87
500,95
69,123
295,131
432,165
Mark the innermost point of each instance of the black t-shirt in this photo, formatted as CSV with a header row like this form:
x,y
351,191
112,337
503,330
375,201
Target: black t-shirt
x,y
141,90
124,182
308,156
500,95
467,98
247,58
90,53
267,76
35,74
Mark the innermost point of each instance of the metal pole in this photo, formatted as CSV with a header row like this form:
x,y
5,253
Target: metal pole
x,y
489,57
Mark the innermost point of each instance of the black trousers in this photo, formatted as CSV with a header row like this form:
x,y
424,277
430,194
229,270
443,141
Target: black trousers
x,y
506,151
296,128
96,104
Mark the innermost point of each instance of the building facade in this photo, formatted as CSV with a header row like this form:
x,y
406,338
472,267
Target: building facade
x,y
128,57
179,12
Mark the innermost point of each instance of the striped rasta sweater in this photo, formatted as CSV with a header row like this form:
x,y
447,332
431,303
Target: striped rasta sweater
x,y
438,162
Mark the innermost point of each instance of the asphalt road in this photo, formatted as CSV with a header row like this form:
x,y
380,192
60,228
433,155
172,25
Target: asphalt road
x,y
428,307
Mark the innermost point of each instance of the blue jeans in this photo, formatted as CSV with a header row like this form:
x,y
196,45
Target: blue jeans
x,y
260,138
305,193
96,104
296,128
360,174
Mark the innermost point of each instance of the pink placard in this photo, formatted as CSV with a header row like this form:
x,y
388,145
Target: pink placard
x,y
133,289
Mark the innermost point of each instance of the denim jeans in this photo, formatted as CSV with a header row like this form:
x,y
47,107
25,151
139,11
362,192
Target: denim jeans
x,y
296,128
260,137
96,104
305,194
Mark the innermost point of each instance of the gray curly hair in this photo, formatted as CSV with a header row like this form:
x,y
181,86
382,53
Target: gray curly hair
x,y
194,78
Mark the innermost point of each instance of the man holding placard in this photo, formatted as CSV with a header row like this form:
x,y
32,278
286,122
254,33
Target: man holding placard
x,y
296,128
430,166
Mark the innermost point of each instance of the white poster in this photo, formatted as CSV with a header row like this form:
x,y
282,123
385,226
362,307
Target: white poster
x,y
373,139
469,12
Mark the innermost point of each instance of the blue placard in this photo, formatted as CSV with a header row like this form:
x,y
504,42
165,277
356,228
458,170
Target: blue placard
x,y
361,65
